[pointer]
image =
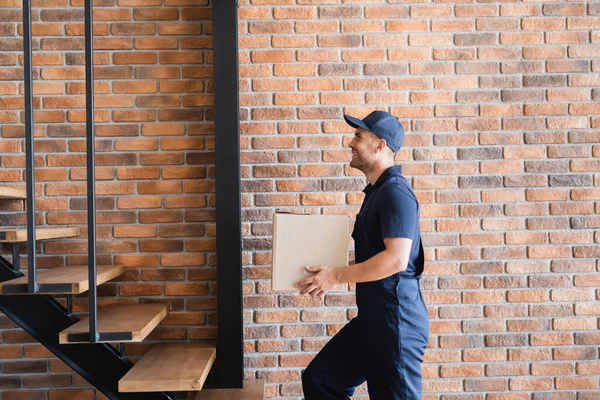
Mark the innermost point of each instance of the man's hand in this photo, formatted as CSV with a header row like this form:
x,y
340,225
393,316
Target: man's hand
x,y
325,279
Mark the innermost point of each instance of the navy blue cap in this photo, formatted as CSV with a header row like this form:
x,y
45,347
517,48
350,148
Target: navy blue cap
x,y
383,124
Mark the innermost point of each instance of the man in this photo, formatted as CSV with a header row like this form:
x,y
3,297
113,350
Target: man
x,y
385,343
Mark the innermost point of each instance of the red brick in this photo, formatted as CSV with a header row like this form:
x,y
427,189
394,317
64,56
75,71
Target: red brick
x,y
488,355
395,11
67,394
135,58
276,316
155,43
181,28
254,13
296,360
186,289
134,115
63,73
149,14
157,72
274,27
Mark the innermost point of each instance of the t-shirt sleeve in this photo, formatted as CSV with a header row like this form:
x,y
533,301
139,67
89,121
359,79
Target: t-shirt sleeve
x,y
398,214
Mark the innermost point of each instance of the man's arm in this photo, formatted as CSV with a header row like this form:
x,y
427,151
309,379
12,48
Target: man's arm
x,y
398,216
393,259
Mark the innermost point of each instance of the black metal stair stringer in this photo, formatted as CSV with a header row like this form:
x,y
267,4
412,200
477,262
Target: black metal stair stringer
x,y
43,318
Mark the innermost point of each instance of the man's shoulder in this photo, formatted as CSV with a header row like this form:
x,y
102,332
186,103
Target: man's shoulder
x,y
398,187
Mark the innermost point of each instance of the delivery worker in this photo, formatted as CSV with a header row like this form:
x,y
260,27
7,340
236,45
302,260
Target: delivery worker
x,y
385,343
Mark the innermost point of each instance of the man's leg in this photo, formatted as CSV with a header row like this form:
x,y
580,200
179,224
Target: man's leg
x,y
397,341
335,372
398,376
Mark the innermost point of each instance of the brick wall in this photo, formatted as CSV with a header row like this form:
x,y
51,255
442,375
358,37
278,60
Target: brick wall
x,y
500,102
155,165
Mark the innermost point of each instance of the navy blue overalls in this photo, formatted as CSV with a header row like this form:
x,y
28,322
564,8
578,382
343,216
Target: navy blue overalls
x,y
385,343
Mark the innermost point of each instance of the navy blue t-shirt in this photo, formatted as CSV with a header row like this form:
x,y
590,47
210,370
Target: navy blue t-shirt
x,y
390,210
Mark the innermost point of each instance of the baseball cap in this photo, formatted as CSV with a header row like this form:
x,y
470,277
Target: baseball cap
x,y
383,124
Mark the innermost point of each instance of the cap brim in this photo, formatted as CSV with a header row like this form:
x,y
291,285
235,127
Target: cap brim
x,y
355,122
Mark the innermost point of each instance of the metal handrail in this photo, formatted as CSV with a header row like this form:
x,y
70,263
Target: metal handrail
x,y
91,163
29,151
33,286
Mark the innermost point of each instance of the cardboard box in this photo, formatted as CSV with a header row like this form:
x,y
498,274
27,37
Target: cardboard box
x,y
307,240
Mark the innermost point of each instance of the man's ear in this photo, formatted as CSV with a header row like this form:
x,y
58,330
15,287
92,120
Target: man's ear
x,y
381,145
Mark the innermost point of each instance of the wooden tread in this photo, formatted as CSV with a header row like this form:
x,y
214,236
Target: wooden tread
x,y
171,367
253,390
137,319
20,235
10,193
62,280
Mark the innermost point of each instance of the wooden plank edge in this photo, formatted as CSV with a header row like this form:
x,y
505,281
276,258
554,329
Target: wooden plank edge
x,y
76,287
138,336
170,385
20,235
84,286
10,193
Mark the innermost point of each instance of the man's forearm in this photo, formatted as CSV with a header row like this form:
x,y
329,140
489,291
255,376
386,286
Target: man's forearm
x,y
377,267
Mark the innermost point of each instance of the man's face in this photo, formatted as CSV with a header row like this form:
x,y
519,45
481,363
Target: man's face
x,y
364,149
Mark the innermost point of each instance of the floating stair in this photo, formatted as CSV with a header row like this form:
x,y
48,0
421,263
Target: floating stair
x,y
253,390
43,318
138,320
62,280
9,193
20,235
171,367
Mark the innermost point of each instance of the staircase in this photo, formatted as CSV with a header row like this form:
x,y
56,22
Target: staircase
x,y
167,367
44,318
94,347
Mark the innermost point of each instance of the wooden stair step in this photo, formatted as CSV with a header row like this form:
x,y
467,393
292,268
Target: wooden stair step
x,y
20,235
136,319
10,193
62,280
171,367
254,389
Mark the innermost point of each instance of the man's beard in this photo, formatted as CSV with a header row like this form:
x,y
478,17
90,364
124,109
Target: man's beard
x,y
357,162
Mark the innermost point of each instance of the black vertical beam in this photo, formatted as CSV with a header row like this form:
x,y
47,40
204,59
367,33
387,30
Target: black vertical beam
x,y
16,257
91,163
29,153
69,304
229,368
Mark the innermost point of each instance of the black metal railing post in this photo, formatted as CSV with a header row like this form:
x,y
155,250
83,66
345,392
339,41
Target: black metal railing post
x,y
29,151
91,163
229,366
